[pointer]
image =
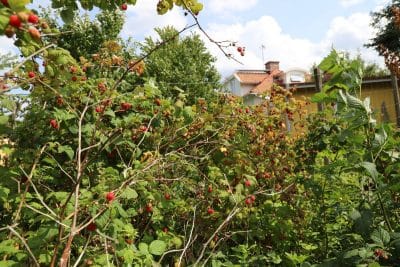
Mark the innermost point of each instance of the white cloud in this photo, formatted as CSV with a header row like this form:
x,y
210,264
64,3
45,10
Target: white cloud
x,y
291,52
225,6
349,3
351,34
345,33
6,45
143,18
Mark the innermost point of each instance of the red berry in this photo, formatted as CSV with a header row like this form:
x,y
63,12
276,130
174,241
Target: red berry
x,y
149,208
99,109
60,101
9,31
210,189
5,2
157,102
126,106
15,21
253,198
210,211
248,201
54,123
73,69
74,78
165,229
91,227
110,196
102,87
35,34
247,183
31,74
240,49
124,6
33,19
167,196
143,128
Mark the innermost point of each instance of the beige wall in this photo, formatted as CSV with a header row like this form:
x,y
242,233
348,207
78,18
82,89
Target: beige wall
x,y
380,94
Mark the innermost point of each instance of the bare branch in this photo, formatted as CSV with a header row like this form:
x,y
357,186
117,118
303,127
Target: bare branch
x,y
83,252
205,245
190,237
25,244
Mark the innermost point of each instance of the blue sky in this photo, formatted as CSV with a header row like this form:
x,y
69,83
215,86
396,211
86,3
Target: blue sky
x,y
296,33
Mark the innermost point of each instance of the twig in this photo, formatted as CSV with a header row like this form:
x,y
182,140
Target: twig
x,y
31,56
217,43
25,244
83,252
190,237
79,169
37,193
46,215
61,168
205,245
130,67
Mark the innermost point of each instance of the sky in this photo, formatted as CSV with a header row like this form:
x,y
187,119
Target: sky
x,y
295,33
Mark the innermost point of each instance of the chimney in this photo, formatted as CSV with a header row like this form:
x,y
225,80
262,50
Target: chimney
x,y
272,66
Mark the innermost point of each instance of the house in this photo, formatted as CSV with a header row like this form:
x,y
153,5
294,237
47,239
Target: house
x,y
253,84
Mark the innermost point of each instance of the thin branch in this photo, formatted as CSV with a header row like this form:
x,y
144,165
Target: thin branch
x,y
31,56
205,245
61,168
83,252
25,244
79,169
38,194
217,43
29,177
190,237
46,215
130,67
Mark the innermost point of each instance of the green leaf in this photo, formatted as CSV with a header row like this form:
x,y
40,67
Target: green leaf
x,y
144,248
4,19
374,264
8,247
157,247
371,169
8,264
67,15
18,5
129,193
67,150
4,193
319,97
380,237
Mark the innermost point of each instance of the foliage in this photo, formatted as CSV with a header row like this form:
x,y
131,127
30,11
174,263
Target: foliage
x,y
181,66
83,36
387,28
7,60
352,172
216,165
101,169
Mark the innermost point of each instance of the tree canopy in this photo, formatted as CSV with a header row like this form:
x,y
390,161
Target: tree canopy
x,y
181,66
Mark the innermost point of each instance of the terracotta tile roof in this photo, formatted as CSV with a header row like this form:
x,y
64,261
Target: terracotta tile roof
x,y
264,86
251,77
260,79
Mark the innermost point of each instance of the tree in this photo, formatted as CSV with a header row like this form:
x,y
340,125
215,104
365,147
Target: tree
x,y
7,60
386,41
181,65
83,36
